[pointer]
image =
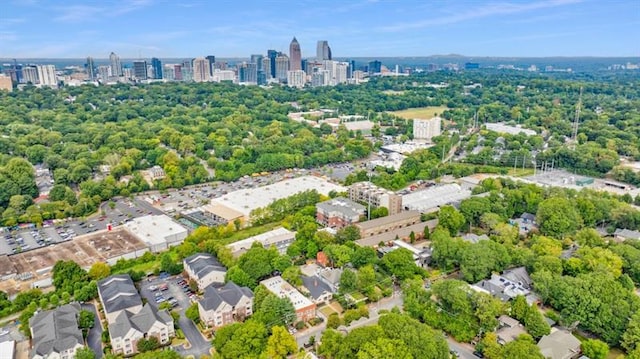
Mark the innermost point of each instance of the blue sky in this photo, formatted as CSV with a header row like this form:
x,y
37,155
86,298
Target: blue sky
x,y
238,28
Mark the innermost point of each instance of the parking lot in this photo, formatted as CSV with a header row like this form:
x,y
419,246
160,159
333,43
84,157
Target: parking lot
x,y
21,240
154,291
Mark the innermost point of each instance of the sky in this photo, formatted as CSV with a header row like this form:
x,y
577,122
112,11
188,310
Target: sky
x,y
354,28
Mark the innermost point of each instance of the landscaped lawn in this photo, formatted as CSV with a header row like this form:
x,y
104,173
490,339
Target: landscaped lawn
x,y
250,232
327,311
420,112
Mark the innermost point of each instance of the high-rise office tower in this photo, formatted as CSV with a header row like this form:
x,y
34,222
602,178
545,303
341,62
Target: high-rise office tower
x,y
212,64
323,51
156,64
91,69
375,67
116,66
282,66
47,75
296,78
186,70
248,73
261,78
17,71
104,72
201,69
140,70
266,66
295,55
272,54
177,72
6,84
30,74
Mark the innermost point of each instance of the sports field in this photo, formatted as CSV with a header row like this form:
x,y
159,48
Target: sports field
x,y
420,112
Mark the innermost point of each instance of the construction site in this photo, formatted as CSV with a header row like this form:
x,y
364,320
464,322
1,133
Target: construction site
x,y
32,269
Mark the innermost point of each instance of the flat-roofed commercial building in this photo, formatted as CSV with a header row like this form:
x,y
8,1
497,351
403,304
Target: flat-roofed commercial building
x,y
431,199
387,224
304,307
367,192
280,238
246,200
159,232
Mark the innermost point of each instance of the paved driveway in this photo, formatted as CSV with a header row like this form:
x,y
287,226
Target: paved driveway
x,y
94,337
199,345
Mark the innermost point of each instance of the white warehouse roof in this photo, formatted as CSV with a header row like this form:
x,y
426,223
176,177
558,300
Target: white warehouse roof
x,y
435,197
155,229
246,200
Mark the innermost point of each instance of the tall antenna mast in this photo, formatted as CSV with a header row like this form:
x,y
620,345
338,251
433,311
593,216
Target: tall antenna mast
x,y
576,122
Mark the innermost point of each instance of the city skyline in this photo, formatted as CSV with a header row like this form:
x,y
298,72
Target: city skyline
x,y
156,28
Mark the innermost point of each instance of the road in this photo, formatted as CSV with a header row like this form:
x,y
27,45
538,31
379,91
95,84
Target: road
x,y
464,351
94,337
302,337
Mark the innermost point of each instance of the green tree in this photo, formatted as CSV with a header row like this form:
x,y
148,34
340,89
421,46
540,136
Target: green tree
x,y
147,344
366,278
522,347
348,234
68,274
85,353
384,348
631,336
451,219
363,256
236,275
99,270
558,217
280,343
330,344
401,264
333,322
519,307
595,349
535,323
275,311
86,319
293,276
193,313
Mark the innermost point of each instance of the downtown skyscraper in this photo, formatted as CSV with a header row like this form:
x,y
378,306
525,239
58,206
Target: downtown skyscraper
x,y
91,68
323,51
295,56
116,66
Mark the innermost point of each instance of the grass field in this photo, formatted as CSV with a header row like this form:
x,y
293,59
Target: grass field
x,y
420,112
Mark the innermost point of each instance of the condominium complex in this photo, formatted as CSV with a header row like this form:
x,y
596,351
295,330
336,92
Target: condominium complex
x,y
368,193
426,129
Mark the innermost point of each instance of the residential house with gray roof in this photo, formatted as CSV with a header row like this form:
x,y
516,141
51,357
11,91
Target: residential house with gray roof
x,y
117,294
559,344
221,306
130,327
317,289
55,333
205,269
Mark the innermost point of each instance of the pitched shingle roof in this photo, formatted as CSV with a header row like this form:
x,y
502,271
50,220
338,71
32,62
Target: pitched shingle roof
x,y
56,330
141,321
231,294
118,293
315,286
202,264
